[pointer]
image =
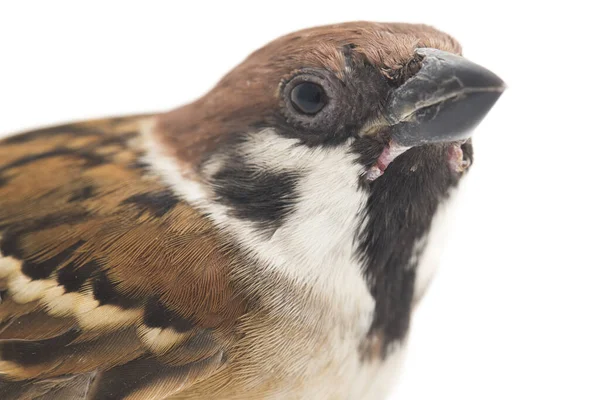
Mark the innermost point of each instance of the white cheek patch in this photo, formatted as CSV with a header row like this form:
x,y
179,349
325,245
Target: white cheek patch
x,y
314,246
315,242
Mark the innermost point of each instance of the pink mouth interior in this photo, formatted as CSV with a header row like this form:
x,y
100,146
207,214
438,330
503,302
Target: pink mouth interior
x,y
389,154
456,161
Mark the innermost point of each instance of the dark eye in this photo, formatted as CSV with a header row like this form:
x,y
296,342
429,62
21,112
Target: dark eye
x,y
308,97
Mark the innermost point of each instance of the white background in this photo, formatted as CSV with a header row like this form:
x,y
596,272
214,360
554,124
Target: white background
x,y
514,312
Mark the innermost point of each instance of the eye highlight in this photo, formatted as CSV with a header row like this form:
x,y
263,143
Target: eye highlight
x,y
308,98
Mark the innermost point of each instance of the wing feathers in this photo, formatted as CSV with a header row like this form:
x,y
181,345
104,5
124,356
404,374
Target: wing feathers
x,y
110,286
147,379
36,325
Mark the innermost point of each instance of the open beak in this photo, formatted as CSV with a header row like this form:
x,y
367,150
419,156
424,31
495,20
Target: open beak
x,y
443,102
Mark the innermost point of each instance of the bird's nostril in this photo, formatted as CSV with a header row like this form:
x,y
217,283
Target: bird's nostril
x,y
410,69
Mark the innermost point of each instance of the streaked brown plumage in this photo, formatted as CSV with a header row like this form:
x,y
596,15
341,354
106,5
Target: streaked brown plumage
x,y
77,202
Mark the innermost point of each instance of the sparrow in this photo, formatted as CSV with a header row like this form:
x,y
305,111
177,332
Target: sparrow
x,y
267,241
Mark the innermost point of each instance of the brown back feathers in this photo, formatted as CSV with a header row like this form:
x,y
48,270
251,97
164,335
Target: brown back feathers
x,y
110,286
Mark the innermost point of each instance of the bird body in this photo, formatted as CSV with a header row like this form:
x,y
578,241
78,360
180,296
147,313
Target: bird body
x,y
268,241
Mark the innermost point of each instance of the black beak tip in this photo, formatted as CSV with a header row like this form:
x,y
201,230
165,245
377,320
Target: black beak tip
x,y
461,116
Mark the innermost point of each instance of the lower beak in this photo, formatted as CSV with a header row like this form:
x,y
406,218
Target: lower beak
x,y
444,101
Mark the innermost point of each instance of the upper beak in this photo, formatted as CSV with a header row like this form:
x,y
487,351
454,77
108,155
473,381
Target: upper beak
x,y
444,101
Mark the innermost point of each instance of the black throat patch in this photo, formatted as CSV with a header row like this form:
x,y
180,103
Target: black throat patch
x,y
401,205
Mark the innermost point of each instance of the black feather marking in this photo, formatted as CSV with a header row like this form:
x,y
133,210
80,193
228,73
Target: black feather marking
x,y
261,196
157,315
121,139
27,353
9,245
43,269
158,203
10,241
91,159
106,293
70,129
126,379
71,351
139,164
72,277
38,224
82,193
401,205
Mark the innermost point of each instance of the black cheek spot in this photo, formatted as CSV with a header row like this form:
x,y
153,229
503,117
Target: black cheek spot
x,y
260,196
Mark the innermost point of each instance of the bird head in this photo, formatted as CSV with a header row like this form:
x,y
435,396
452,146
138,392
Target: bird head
x,y
326,154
